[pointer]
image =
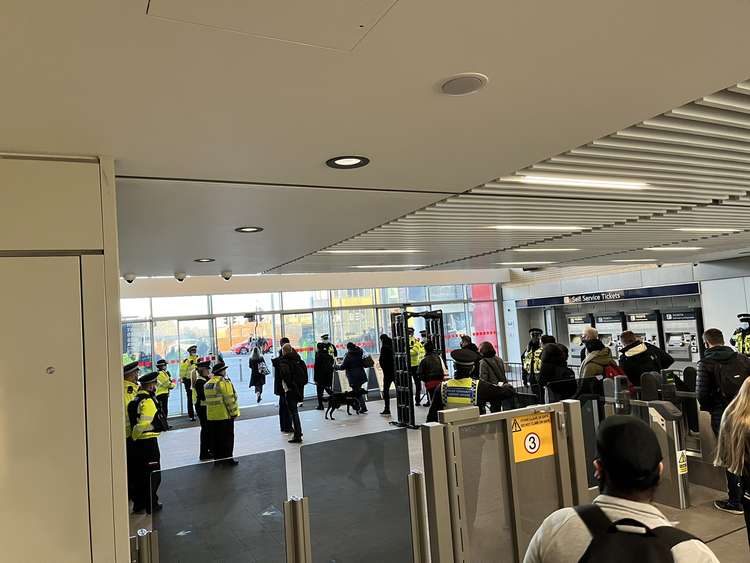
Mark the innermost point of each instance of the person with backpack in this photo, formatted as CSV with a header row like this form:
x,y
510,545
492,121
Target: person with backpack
x,y
638,357
721,372
354,367
555,375
293,374
599,361
621,525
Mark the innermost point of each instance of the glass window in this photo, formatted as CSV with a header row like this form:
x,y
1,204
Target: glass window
x,y
298,328
446,292
352,297
454,324
166,346
135,309
245,302
136,344
294,300
180,306
482,323
481,292
411,294
355,325
323,326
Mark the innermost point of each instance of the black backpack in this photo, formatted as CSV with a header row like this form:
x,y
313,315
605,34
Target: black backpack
x,y
300,376
159,424
730,377
613,545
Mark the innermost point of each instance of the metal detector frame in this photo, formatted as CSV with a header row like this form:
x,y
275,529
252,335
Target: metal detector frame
x,y
435,333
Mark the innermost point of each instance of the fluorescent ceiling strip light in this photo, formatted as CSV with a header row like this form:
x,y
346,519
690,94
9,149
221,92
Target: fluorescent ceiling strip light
x,y
636,260
546,249
674,248
584,182
523,263
373,266
389,251
706,230
535,228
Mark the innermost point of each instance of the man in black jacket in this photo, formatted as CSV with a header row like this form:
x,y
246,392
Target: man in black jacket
x,y
637,358
293,373
720,374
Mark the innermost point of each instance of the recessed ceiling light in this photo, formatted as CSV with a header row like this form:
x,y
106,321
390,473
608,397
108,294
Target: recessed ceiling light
x,y
636,260
249,229
546,249
382,251
536,228
373,266
347,162
675,248
706,230
539,263
582,182
463,84
204,260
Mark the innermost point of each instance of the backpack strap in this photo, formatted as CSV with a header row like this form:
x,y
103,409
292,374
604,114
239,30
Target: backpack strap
x,y
596,521
672,536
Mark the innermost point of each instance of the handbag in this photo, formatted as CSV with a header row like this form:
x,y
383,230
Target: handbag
x,y
263,369
368,362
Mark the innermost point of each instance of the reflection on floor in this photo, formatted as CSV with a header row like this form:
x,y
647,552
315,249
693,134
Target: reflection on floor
x,y
725,533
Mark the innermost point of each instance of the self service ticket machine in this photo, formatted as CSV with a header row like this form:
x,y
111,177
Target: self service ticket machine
x,y
682,336
576,324
610,327
645,326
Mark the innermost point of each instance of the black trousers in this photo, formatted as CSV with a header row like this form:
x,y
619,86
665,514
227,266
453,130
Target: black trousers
x,y
130,461
221,434
206,448
164,403
746,505
417,384
291,404
320,389
734,484
189,393
387,382
147,474
362,403
285,419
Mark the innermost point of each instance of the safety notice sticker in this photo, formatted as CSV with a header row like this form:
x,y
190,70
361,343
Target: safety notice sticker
x,y
532,436
682,467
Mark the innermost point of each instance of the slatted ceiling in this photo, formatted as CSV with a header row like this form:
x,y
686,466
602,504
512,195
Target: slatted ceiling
x,y
695,160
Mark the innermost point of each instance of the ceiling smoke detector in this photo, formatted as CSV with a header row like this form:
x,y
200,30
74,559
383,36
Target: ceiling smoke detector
x,y
463,84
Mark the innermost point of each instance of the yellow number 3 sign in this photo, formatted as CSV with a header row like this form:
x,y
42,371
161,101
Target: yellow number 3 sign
x,y
532,436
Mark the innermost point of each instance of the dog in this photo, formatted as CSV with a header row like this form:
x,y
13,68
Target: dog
x,y
338,400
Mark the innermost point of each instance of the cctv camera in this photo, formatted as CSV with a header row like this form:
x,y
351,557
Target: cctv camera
x,y
226,274
180,276
130,278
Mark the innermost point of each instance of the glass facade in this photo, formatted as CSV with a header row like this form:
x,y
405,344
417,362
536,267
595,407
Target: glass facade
x,y
230,326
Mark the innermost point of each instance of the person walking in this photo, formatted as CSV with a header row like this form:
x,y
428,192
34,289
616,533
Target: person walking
x,y
130,373
721,373
354,368
258,372
221,410
186,376
733,447
285,419
389,370
431,370
164,385
323,372
203,370
638,357
416,353
146,422
531,359
293,375
491,366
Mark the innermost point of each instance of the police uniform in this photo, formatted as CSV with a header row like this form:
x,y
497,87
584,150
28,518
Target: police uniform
x,y
221,410
130,389
531,359
147,422
741,337
163,386
416,355
186,370
199,398
464,391
330,348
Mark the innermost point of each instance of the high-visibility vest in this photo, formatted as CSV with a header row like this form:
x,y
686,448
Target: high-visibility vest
x,y
221,399
130,390
459,392
532,361
331,349
163,383
741,341
416,351
187,366
146,412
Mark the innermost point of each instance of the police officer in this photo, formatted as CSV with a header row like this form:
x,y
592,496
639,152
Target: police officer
x,y
163,386
741,337
464,391
221,410
147,422
531,359
416,355
130,374
203,369
329,347
186,373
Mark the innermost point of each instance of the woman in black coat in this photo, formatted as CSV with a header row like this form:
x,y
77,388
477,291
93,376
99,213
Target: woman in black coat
x,y
355,370
555,374
323,372
386,364
258,372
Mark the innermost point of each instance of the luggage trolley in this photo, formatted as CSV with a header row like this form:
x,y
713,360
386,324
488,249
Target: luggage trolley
x,y
435,333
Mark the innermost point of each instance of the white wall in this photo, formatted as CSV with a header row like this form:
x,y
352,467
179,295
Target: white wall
x,y
722,301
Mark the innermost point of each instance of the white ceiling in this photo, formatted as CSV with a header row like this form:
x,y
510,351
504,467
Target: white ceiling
x,y
193,101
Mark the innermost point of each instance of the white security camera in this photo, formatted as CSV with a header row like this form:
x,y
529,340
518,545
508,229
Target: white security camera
x,y
130,278
226,274
180,276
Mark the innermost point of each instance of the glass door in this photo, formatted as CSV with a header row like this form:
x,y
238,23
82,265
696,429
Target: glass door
x,y
299,329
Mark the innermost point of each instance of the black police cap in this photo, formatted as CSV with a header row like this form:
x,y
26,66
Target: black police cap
x,y
743,316
219,368
193,347
203,364
161,363
324,337
129,368
537,330
148,378
465,357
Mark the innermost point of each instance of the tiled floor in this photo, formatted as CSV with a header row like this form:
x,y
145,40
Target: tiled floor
x,y
725,533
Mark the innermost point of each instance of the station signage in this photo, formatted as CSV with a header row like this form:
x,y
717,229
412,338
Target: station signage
x,y
679,316
579,320
642,317
609,319
594,297
613,295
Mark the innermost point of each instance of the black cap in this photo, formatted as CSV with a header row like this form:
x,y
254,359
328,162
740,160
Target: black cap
x,y
410,330
148,378
161,363
219,368
129,368
193,347
465,357
324,337
743,316
422,333
629,450
537,330
203,364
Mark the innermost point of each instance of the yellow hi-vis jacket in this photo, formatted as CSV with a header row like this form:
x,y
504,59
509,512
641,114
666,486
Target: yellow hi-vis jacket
x,y
532,361
416,351
741,341
221,399
147,408
130,390
187,366
163,383
459,392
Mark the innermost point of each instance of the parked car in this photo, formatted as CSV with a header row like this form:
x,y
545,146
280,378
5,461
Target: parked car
x,y
263,343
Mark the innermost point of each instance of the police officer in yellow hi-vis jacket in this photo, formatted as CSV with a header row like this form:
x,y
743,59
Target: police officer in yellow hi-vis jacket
x,y
130,374
146,422
221,410
416,355
531,359
164,385
741,337
203,369
186,371
464,391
